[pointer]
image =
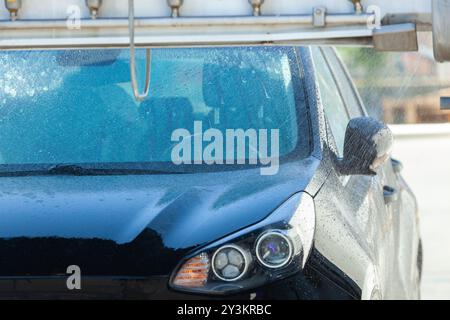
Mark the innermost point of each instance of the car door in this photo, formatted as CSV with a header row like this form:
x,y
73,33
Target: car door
x,y
394,227
368,209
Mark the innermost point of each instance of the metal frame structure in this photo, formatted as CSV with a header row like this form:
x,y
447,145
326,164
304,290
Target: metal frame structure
x,y
183,23
54,24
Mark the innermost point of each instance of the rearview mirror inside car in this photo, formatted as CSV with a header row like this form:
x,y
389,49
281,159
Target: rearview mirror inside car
x,y
367,146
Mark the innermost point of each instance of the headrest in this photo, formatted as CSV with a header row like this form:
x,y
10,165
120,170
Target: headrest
x,y
229,84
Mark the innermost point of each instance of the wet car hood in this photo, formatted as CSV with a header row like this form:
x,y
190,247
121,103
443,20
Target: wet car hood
x,y
185,210
136,212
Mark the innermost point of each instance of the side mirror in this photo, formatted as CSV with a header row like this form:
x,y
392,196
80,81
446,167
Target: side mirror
x,y
367,146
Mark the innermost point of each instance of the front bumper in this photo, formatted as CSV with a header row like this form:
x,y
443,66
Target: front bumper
x,y
319,280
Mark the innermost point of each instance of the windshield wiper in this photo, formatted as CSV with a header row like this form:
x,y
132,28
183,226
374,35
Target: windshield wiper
x,y
70,169
77,170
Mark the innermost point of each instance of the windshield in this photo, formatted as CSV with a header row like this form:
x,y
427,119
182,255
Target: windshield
x,y
77,106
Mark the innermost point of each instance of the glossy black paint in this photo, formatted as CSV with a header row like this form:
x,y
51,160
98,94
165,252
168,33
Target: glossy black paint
x,y
184,210
128,233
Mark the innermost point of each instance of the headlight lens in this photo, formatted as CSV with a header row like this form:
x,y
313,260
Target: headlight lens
x,y
231,262
274,249
280,245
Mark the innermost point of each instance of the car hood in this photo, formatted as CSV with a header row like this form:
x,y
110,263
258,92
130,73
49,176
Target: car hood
x,y
179,212
186,210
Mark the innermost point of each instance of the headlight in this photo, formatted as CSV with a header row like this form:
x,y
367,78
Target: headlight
x,y
273,249
231,262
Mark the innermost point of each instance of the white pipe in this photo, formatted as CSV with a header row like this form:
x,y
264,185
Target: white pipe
x,y
331,20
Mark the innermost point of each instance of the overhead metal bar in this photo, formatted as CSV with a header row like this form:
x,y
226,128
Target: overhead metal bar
x,y
332,20
176,23
186,31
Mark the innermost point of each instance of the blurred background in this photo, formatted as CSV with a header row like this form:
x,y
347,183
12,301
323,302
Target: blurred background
x,y
404,90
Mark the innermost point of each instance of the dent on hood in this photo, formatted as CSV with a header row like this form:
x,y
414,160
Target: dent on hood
x,y
185,210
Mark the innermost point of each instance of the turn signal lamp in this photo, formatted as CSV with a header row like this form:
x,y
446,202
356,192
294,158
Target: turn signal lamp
x,y
194,273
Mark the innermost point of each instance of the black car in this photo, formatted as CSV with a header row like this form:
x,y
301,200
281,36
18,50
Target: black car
x,y
99,199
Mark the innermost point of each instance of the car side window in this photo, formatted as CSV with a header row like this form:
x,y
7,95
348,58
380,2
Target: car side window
x,y
333,104
349,94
